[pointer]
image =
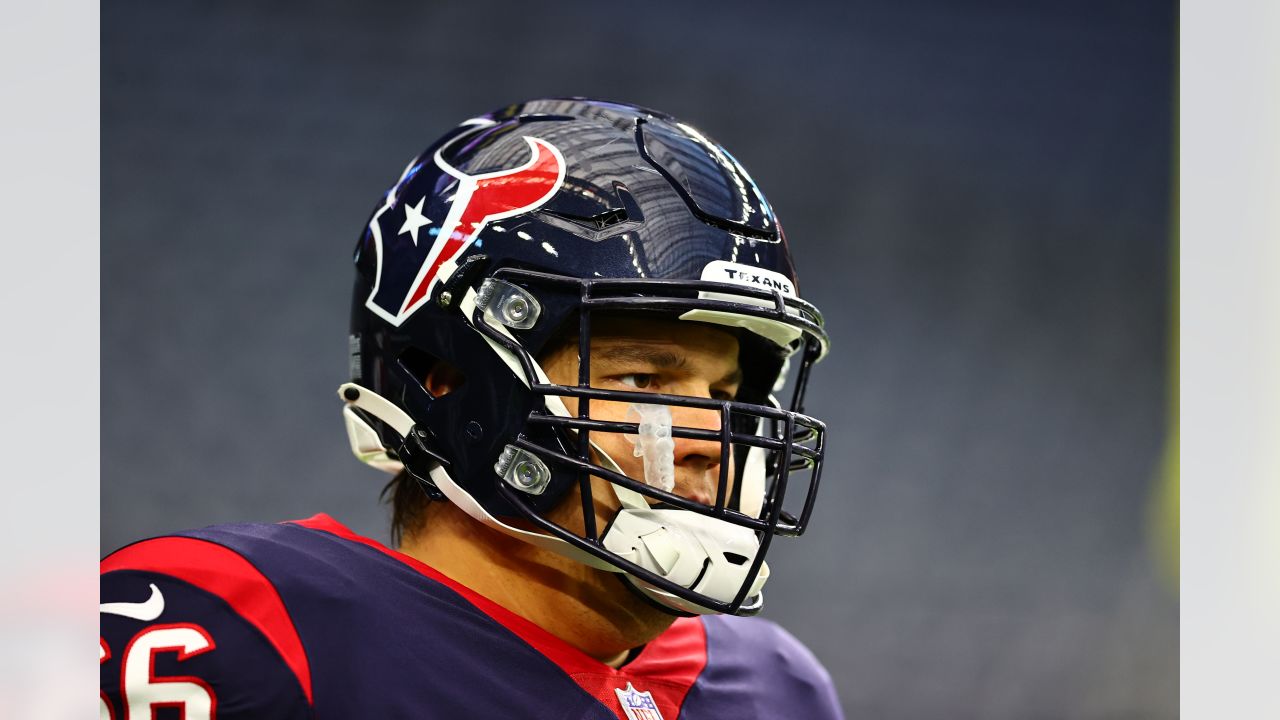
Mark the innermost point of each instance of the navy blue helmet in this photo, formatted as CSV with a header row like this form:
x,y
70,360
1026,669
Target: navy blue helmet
x,y
514,231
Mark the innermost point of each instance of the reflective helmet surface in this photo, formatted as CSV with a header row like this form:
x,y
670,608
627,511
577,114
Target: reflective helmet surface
x,y
514,230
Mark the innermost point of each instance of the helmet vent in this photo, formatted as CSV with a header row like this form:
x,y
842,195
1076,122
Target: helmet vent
x,y
599,221
732,202
420,365
619,215
609,217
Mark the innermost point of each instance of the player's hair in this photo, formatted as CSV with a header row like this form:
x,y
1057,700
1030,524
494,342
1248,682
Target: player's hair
x,y
409,503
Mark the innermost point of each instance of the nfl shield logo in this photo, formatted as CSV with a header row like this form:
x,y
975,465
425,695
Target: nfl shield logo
x,y
638,705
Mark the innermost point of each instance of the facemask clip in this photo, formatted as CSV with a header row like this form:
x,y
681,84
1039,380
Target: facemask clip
x,y
510,305
523,470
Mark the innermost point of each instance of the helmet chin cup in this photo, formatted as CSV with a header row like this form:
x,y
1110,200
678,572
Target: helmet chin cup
x,y
678,605
694,551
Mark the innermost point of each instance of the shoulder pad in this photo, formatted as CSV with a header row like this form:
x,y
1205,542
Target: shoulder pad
x,y
786,680
191,624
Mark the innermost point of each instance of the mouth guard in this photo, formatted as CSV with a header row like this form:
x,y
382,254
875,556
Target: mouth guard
x,y
654,443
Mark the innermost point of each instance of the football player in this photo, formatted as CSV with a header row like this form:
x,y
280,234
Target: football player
x,y
570,325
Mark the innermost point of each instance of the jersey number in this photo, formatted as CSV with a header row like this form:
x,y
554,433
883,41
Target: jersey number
x,y
142,692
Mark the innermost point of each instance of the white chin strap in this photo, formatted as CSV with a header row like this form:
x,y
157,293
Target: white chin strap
x,y
709,556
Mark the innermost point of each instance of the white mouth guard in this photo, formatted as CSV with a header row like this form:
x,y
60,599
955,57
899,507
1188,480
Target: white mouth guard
x,y
654,443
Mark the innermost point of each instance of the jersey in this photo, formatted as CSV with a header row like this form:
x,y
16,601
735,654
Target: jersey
x,y
307,619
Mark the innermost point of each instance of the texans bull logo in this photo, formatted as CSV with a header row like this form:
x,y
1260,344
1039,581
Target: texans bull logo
x,y
408,271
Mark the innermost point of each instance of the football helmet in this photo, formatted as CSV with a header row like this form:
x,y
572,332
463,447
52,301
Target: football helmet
x,y
514,230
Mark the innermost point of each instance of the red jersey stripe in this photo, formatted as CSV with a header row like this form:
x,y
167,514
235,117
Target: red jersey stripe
x,y
224,573
667,667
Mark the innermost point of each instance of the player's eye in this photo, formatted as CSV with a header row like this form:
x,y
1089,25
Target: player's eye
x,y
723,394
639,381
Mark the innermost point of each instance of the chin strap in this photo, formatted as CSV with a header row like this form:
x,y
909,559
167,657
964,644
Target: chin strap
x,y
362,436
367,446
698,552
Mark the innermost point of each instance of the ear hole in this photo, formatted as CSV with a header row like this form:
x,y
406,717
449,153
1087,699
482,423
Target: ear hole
x,y
436,376
735,558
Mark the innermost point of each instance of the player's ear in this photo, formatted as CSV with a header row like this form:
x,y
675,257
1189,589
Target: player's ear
x,y
443,379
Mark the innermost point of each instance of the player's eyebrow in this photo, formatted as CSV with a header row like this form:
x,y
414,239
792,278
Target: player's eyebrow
x,y
660,359
657,357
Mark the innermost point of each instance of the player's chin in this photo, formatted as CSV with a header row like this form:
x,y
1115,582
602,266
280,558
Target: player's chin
x,y
629,610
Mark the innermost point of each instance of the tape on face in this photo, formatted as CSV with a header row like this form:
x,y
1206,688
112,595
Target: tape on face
x,y
654,443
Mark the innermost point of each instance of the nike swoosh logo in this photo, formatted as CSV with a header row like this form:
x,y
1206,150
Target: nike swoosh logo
x,y
145,611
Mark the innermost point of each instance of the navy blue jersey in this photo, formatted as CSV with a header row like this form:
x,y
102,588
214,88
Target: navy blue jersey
x,y
307,619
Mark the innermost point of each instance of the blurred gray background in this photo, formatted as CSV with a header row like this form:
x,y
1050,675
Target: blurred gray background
x,y
977,194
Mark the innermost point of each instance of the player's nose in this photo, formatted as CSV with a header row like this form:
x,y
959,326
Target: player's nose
x,y
697,460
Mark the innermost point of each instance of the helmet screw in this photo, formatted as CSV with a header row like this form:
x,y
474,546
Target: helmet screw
x,y
508,304
522,470
526,474
517,308
351,394
445,299
473,431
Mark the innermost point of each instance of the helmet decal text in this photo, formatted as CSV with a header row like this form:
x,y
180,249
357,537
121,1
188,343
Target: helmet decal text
x,y
748,276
